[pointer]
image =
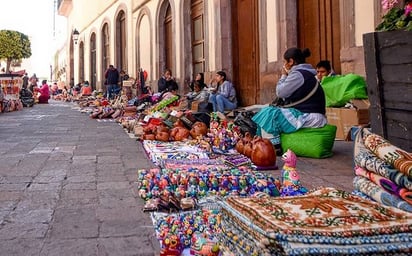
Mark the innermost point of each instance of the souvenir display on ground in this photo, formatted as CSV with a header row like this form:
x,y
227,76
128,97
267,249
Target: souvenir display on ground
x,y
210,194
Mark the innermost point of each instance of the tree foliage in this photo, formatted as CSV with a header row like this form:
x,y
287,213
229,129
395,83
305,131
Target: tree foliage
x,y
14,46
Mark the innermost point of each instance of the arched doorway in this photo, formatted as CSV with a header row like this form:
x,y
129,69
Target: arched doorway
x,y
121,51
165,37
105,53
168,32
93,67
81,61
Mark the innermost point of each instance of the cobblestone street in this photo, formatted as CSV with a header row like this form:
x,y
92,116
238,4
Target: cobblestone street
x,y
66,186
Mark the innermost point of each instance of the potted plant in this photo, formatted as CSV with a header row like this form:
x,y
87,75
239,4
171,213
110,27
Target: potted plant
x,y
388,66
396,17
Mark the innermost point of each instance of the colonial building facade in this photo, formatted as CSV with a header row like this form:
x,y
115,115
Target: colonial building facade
x,y
245,38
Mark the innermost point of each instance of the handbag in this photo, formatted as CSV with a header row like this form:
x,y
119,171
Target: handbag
x,y
244,121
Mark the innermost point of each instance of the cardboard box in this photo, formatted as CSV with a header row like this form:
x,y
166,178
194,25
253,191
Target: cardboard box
x,y
346,118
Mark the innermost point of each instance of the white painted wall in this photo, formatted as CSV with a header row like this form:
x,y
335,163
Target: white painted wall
x,y
364,19
145,44
272,31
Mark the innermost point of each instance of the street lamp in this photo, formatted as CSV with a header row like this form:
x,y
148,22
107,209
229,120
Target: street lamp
x,y
75,36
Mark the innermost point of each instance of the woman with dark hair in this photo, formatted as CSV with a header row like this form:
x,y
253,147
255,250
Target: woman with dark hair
x,y
222,97
44,92
200,78
165,81
301,100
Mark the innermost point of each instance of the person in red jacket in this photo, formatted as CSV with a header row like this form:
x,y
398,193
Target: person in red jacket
x,y
44,92
86,89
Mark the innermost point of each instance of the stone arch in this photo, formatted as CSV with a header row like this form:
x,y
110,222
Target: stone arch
x,y
144,13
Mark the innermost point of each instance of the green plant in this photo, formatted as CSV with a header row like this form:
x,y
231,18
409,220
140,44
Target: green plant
x,y
397,17
14,46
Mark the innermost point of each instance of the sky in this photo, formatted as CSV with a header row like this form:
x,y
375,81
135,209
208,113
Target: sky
x,y
36,19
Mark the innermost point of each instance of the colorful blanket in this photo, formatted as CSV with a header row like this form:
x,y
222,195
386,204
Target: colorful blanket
x,y
395,156
200,164
382,182
379,194
158,151
365,158
325,221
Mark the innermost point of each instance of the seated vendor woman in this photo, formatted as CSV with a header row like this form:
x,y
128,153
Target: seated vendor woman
x,y
224,97
44,92
86,89
199,96
302,96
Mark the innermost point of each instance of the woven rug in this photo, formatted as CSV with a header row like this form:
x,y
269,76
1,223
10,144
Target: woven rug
x,y
200,164
382,182
157,151
367,159
324,222
379,194
398,158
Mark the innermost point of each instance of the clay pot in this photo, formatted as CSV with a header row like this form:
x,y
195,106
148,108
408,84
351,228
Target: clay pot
x,y
247,149
263,153
247,144
162,136
198,129
179,133
162,128
239,146
149,136
178,123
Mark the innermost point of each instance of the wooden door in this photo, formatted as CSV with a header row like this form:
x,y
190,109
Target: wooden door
x,y
246,51
168,40
319,30
93,62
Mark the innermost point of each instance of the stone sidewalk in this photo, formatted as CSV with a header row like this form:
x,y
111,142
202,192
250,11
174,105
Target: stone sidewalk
x,y
67,184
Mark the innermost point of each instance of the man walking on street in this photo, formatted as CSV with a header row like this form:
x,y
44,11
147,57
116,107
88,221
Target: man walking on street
x,y
112,79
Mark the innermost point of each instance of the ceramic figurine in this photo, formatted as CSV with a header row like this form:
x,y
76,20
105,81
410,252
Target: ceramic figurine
x,y
290,179
203,246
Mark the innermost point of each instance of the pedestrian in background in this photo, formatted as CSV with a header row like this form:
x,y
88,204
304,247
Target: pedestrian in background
x,y
112,78
33,82
25,80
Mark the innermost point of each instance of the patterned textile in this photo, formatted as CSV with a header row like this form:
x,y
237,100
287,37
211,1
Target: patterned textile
x,y
406,195
379,194
324,222
275,121
385,184
382,182
325,211
200,164
155,146
158,151
366,159
397,157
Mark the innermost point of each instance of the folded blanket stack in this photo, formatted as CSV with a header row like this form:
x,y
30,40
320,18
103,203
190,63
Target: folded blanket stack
x,y
383,171
326,221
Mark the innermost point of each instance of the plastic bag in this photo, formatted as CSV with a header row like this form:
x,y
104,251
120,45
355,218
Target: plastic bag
x,y
339,90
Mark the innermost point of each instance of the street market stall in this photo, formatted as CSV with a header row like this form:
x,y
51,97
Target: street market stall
x,y
10,92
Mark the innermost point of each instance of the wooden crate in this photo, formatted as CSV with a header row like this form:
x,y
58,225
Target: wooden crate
x,y
388,63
